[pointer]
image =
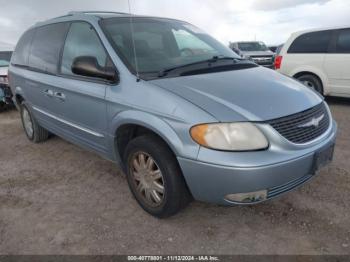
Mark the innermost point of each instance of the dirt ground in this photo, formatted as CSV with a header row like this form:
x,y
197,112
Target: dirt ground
x,y
56,198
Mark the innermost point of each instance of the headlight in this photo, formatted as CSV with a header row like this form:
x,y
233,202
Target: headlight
x,y
229,137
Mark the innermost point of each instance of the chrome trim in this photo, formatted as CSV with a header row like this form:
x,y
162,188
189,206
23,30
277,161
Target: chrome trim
x,y
69,123
317,139
313,122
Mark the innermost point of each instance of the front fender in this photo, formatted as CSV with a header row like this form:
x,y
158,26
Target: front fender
x,y
179,141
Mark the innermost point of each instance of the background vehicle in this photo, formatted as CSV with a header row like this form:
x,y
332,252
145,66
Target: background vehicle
x,y
320,59
278,49
273,48
256,51
5,92
181,113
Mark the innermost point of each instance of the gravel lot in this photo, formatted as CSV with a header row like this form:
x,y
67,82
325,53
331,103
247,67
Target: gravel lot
x,y
56,198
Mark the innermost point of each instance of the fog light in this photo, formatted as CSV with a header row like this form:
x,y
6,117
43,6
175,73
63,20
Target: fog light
x,y
250,197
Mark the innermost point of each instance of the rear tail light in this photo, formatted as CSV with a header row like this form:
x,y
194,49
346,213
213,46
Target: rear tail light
x,y
278,62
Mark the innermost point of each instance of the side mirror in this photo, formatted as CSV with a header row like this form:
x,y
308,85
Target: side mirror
x,y
88,66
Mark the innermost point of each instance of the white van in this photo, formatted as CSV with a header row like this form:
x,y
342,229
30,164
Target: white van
x,y
320,59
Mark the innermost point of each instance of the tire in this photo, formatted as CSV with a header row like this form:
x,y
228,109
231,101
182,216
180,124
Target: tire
x,y
2,107
37,134
175,194
312,82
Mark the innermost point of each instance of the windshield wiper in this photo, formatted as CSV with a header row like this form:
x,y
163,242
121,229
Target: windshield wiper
x,y
214,59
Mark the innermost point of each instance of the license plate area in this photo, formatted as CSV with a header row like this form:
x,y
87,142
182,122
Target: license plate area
x,y
322,158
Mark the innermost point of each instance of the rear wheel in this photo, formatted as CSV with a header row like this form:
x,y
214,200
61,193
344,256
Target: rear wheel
x,y
154,177
33,130
2,106
311,82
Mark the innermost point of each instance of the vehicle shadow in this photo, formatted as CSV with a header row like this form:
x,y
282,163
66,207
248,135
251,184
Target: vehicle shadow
x,y
338,100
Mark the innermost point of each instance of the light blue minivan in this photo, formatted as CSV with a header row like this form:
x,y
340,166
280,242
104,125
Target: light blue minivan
x,y
183,115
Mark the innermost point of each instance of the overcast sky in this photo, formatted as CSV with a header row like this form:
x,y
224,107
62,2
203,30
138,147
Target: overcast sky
x,y
271,21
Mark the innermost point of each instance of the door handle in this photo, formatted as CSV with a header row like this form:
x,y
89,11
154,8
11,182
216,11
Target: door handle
x,y
48,93
60,96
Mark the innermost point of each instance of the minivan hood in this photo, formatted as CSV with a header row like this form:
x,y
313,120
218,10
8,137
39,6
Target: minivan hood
x,y
254,94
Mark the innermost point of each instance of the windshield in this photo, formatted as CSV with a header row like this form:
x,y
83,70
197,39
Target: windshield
x,y
5,58
160,43
252,46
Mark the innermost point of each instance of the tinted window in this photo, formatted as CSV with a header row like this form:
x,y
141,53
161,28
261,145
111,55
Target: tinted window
x,y
82,40
316,42
343,41
46,47
252,46
20,56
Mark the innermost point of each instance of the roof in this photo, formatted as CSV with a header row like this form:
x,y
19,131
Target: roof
x,y
101,14
92,15
320,29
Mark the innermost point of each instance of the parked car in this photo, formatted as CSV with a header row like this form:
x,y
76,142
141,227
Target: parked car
x,y
183,124
273,48
5,92
256,51
277,52
320,59
278,49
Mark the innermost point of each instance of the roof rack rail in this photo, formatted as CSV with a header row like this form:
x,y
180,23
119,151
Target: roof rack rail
x,y
96,12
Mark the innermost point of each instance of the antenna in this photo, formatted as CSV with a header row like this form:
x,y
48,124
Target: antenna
x,y
133,43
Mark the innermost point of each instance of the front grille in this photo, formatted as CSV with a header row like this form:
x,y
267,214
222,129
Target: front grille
x,y
275,191
262,60
305,126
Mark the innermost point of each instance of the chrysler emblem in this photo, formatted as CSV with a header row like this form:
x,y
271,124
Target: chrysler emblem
x,y
315,122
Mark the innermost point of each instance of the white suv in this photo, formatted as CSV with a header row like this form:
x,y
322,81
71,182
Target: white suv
x,y
318,58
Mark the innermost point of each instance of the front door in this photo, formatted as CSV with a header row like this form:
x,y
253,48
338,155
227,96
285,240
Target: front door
x,y
80,101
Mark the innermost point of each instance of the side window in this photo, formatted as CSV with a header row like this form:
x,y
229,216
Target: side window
x,y
343,41
82,40
315,42
20,56
46,47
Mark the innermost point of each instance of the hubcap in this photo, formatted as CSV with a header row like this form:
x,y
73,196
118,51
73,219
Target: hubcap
x,y
27,122
147,178
309,84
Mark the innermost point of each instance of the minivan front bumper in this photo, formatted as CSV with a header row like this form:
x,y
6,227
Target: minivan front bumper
x,y
212,183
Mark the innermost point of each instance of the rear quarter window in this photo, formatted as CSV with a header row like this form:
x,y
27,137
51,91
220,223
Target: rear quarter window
x,y
343,41
46,47
20,56
315,42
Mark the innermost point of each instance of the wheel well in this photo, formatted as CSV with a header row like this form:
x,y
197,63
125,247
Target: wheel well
x,y
308,73
128,132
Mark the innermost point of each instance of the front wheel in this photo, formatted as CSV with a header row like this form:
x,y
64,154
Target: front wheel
x,y
154,177
2,106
